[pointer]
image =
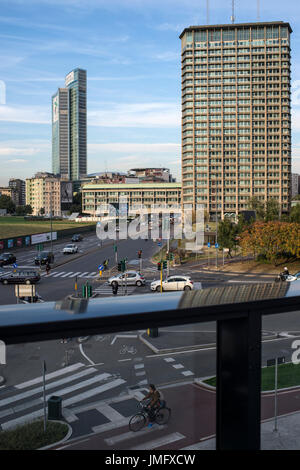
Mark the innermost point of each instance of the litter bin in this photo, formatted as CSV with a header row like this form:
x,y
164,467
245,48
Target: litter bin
x,y
54,408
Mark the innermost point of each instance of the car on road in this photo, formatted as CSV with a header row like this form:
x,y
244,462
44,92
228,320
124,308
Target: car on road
x,y
71,249
20,277
44,257
77,238
173,283
7,258
133,279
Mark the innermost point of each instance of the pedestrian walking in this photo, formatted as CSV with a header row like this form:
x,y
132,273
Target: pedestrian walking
x,y
48,267
115,287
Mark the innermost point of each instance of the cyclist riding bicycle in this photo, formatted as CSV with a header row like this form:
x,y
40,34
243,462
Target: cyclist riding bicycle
x,y
155,401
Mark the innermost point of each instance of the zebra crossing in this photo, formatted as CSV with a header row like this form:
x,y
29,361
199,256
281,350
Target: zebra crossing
x,y
106,289
75,384
71,274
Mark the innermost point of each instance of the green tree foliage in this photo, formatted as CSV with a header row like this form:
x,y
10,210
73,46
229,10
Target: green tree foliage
x,y
7,203
227,235
295,214
23,210
258,206
272,210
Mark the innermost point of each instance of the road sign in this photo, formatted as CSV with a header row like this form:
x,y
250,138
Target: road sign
x,y
100,267
24,290
15,265
159,244
208,245
216,245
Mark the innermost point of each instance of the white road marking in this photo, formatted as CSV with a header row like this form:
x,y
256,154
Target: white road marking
x,y
176,436
139,366
178,366
70,401
84,355
138,374
83,274
59,274
110,413
50,376
122,336
169,359
75,274
55,384
68,274
187,373
130,435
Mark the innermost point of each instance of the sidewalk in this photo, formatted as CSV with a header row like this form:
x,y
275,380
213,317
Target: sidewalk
x,y
287,436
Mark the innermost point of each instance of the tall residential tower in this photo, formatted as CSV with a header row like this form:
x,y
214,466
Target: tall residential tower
x,y
69,127
236,115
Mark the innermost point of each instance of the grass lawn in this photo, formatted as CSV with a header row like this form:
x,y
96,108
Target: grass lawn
x,y
288,376
17,226
32,436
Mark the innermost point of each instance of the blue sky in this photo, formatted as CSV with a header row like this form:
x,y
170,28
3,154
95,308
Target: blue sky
x,y
131,51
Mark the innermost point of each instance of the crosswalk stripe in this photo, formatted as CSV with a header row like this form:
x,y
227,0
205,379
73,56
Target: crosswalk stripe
x,y
130,435
76,274
59,274
50,376
35,391
44,274
83,274
70,401
67,274
175,436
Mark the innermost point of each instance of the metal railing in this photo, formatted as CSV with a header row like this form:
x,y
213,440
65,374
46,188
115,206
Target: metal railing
x,y
238,311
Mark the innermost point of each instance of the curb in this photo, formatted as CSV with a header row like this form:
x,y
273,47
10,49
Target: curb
x,y
67,436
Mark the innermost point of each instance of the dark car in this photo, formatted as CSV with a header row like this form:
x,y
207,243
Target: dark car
x,y
7,258
44,257
20,277
77,238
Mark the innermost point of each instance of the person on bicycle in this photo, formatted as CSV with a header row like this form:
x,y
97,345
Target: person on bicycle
x,y
154,403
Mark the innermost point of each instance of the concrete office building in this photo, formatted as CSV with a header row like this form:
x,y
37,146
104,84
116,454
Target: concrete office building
x,y
236,115
69,127
97,197
48,193
18,186
295,184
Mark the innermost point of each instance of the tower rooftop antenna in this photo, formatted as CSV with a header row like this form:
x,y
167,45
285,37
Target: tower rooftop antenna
x,y
207,11
232,15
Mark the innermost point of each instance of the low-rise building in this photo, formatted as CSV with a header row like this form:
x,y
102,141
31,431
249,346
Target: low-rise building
x,y
96,197
19,186
48,194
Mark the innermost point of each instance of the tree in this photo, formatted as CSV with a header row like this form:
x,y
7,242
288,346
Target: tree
x,y
42,211
227,235
255,204
272,210
23,210
7,203
295,214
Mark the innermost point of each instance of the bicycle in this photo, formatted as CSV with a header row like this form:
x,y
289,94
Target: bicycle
x,y
142,418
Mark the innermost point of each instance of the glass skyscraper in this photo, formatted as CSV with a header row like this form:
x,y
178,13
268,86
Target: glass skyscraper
x,y
69,127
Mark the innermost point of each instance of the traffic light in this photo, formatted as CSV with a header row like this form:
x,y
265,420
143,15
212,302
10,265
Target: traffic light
x,y
165,264
158,266
140,253
123,265
120,266
87,291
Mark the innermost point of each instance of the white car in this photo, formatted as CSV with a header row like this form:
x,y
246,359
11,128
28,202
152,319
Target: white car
x,y
133,279
71,248
173,283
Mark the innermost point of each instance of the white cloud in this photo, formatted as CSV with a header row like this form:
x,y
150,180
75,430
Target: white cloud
x,y
26,114
151,115
18,160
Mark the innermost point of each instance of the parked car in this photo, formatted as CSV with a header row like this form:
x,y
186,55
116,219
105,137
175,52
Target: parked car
x,y
20,277
44,257
77,238
133,279
71,248
173,283
7,258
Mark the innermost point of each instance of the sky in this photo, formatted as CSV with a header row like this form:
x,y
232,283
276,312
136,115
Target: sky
x,y
131,51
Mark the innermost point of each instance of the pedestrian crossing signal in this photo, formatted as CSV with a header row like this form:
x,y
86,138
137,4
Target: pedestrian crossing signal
x,y
158,266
